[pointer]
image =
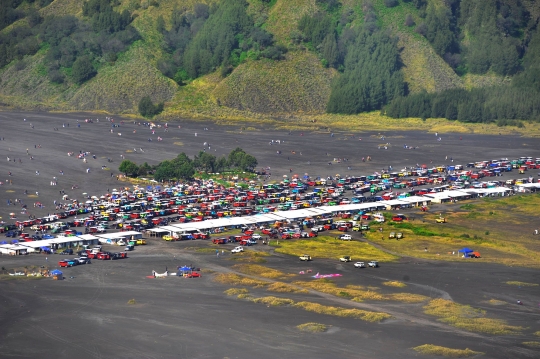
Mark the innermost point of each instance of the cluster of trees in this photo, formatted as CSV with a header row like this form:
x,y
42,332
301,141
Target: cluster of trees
x,y
202,40
10,11
372,75
367,57
477,105
75,46
494,31
518,101
183,168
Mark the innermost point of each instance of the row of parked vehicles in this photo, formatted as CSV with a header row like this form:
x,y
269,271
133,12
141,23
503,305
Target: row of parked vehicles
x,y
85,256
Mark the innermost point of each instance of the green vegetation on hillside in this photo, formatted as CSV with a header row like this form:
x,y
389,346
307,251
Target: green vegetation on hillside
x,y
367,57
477,61
517,100
202,40
74,47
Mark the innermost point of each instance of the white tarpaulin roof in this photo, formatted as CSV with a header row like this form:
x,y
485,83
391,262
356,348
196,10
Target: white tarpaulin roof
x,y
529,185
119,235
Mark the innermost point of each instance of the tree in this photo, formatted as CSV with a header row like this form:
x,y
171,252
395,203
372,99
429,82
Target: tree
x,y
239,159
128,168
329,50
147,107
82,70
160,24
409,21
166,170
144,169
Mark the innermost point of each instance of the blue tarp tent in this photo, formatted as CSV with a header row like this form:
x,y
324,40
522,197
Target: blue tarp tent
x,y
56,274
183,270
46,249
466,251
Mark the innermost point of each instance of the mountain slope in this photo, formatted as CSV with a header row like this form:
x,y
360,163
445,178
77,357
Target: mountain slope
x,y
299,83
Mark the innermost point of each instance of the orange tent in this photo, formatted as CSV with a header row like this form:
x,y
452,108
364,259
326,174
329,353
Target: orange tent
x,y
475,254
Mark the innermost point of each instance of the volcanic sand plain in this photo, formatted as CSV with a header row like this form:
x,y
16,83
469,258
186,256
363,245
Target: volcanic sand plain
x,y
110,309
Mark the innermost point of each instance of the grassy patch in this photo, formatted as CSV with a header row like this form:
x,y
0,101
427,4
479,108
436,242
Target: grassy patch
x,y
468,318
273,301
532,344
236,291
328,247
280,287
358,293
262,271
312,327
497,241
235,279
521,284
132,301
343,312
496,302
250,257
430,349
394,283
329,287
418,230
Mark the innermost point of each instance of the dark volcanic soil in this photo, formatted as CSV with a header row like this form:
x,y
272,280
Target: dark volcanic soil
x,y
88,315
300,152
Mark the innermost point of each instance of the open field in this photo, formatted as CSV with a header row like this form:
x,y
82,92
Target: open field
x,y
230,311
328,247
500,229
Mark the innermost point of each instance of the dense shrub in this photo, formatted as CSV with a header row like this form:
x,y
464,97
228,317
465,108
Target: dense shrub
x,y
147,107
83,70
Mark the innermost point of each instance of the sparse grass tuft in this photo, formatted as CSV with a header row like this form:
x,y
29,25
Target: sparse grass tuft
x,y
132,301
284,288
430,349
312,327
468,318
358,293
521,284
343,312
537,333
250,257
407,297
235,279
532,344
496,302
274,301
258,270
236,291
395,283
326,286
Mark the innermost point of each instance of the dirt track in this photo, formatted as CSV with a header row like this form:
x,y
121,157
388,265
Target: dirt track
x,y
87,316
